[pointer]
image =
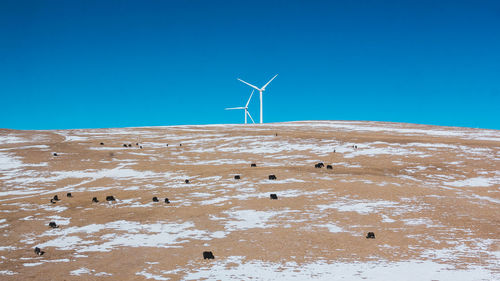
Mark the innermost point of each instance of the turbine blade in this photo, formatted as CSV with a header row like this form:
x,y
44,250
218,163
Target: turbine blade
x,y
230,108
246,106
264,87
250,116
249,84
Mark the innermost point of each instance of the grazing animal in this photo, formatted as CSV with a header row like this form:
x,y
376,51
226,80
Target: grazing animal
x,y
180,144
110,198
136,143
208,255
329,167
253,165
129,145
94,200
370,235
319,165
155,199
55,154
334,151
167,201
69,194
52,201
186,181
140,147
167,144
276,134
56,198
53,225
124,145
101,143
237,177
38,251
272,177
273,196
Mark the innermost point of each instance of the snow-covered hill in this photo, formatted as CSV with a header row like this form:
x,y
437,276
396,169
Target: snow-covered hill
x,y
430,194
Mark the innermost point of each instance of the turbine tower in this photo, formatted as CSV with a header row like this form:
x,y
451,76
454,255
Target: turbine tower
x,y
260,92
245,108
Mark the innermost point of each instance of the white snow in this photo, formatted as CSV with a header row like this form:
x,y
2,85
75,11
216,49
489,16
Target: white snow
x,y
464,133
361,207
32,264
475,182
80,271
331,227
8,162
11,138
151,276
84,270
125,234
7,272
236,268
245,219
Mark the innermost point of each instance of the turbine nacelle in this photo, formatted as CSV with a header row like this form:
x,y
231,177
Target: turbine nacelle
x,y
245,108
261,90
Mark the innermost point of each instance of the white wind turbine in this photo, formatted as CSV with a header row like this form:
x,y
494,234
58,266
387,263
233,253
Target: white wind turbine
x,y
245,108
260,91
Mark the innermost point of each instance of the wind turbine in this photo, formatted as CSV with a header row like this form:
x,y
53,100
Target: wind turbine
x,y
245,108
260,91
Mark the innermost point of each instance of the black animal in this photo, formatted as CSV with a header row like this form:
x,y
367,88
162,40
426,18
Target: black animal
x,y
334,151
329,167
129,145
38,251
167,144
237,177
155,199
319,165
55,154
52,201
101,143
253,165
69,194
140,147
167,201
136,143
56,198
53,225
272,177
110,198
124,145
186,181
273,196
370,235
94,200
208,255
180,144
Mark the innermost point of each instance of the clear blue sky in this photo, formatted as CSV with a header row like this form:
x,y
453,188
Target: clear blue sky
x,y
90,64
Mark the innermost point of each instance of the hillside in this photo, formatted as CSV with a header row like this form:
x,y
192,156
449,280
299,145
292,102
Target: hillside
x,y
430,194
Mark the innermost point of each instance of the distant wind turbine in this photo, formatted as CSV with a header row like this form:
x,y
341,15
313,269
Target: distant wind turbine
x,y
245,108
260,91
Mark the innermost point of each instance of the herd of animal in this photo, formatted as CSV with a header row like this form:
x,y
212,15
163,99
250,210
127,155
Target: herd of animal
x,y
206,254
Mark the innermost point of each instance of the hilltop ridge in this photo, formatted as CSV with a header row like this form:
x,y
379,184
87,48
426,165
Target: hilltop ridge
x,y
430,194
